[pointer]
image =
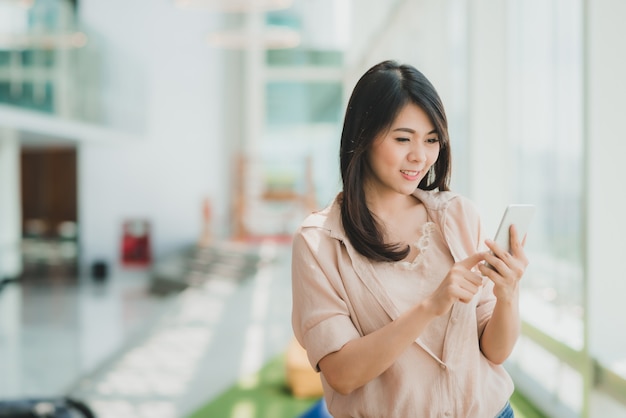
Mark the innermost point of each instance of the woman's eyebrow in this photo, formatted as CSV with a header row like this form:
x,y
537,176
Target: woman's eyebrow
x,y
409,130
412,131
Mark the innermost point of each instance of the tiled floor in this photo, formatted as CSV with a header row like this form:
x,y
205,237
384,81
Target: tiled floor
x,y
130,353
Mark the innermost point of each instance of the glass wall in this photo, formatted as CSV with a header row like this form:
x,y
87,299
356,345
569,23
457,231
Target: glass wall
x,y
546,129
52,61
305,93
37,42
294,164
553,363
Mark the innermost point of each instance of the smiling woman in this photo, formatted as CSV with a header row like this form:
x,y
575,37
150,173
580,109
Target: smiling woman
x,y
389,282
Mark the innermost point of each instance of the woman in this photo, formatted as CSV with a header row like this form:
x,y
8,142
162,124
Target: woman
x,y
391,296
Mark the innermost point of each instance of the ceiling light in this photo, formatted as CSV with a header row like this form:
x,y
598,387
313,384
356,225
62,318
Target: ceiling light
x,y
271,38
25,4
233,5
45,41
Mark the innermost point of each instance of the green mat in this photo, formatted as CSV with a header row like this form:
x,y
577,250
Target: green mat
x,y
266,395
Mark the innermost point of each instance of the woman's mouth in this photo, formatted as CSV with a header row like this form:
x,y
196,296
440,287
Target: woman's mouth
x,y
411,175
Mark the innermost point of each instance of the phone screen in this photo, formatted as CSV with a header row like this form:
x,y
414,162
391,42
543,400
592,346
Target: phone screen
x,y
518,215
515,214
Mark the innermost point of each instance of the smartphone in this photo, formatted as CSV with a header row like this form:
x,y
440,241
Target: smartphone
x,y
518,215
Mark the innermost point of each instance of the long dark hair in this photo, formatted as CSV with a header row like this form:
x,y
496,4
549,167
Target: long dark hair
x,y
379,95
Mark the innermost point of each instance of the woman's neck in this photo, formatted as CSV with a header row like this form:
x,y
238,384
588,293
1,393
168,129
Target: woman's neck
x,y
391,205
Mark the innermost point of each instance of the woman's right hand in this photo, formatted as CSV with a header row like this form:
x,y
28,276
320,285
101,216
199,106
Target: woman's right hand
x,y
460,284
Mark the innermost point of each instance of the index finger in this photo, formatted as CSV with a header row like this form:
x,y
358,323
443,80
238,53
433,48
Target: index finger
x,y
472,260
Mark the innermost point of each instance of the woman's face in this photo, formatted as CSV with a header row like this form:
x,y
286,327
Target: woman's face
x,y
400,157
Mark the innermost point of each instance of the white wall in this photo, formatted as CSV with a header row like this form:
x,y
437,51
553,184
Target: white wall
x,y
606,200
165,176
10,214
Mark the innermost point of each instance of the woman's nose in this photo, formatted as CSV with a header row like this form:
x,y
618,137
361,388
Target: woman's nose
x,y
417,153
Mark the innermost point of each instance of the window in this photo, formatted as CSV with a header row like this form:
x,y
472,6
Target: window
x,y
546,129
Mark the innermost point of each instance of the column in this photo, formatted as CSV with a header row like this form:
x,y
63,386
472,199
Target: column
x,y
605,152
488,151
10,204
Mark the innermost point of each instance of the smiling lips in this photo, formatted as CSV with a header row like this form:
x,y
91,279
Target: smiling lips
x,y
410,174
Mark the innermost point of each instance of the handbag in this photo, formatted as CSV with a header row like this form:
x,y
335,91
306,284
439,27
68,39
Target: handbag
x,y
61,407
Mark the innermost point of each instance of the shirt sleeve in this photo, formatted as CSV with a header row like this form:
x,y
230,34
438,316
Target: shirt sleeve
x,y
320,312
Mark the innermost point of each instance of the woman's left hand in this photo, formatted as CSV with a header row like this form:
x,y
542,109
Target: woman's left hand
x,y
508,268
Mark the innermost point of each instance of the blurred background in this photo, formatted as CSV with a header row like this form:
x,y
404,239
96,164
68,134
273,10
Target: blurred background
x,y
156,155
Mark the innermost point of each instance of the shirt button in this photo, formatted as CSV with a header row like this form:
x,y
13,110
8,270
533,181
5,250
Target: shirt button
x,y
443,366
453,320
448,413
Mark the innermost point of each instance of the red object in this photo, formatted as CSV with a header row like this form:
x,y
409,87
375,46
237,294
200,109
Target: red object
x,y
136,243
206,211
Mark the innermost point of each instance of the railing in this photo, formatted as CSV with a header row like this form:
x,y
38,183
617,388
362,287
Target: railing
x,y
603,379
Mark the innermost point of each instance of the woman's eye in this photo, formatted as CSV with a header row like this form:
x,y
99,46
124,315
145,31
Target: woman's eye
x,y
432,140
402,139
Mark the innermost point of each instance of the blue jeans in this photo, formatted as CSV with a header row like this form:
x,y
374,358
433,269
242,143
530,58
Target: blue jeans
x,y
506,412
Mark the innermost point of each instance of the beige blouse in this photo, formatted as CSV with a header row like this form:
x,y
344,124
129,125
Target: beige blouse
x,y
339,295
411,282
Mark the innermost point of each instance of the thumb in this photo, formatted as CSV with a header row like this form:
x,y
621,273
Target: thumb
x,y
472,260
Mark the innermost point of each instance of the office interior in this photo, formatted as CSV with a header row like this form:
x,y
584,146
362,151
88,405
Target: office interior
x,y
172,125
